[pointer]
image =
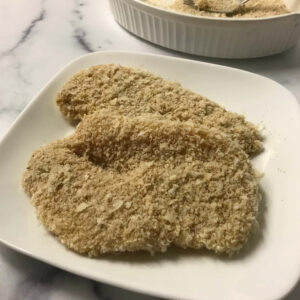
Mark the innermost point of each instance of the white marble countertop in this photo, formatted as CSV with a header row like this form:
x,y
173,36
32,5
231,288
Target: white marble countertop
x,y
37,38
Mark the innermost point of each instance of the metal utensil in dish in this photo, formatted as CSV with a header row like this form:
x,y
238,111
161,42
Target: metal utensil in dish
x,y
217,6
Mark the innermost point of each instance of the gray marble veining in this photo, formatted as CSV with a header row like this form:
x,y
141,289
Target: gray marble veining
x,y
37,38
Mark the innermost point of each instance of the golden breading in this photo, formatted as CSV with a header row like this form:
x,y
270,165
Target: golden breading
x,y
133,92
127,184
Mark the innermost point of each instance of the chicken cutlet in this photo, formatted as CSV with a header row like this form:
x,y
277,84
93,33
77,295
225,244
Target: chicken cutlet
x,y
123,183
132,92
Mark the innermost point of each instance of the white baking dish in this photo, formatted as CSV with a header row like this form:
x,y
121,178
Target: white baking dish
x,y
207,36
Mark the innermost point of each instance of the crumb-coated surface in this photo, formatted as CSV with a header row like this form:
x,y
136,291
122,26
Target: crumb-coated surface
x,y
132,92
143,183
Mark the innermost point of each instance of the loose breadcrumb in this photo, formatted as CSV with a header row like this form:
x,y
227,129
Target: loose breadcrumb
x,y
132,92
251,9
143,183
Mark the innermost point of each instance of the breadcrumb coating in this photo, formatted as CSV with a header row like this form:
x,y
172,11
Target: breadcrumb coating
x,y
124,183
132,92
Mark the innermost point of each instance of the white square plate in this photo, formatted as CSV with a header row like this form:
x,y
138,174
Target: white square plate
x,y
267,268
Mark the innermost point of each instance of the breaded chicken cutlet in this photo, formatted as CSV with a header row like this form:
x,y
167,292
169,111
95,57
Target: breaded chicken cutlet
x,y
132,92
124,183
